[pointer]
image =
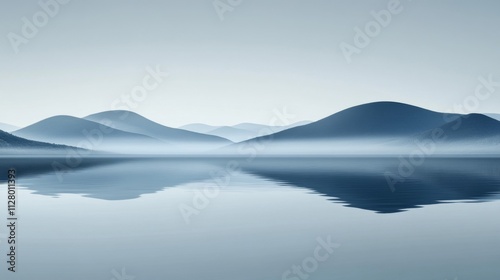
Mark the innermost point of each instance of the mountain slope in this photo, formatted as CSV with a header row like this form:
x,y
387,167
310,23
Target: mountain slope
x,y
9,140
199,127
135,123
379,119
472,127
259,128
74,131
379,128
493,116
239,132
233,134
11,144
7,127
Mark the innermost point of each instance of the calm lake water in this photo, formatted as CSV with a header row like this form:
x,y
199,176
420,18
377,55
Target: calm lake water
x,y
262,219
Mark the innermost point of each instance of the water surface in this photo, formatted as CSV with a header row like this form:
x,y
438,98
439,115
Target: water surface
x,y
255,219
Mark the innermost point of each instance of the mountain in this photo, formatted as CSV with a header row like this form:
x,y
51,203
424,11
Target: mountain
x,y
388,128
9,140
135,123
7,127
233,134
373,128
473,127
199,127
78,132
239,132
300,123
379,119
493,116
260,128
11,144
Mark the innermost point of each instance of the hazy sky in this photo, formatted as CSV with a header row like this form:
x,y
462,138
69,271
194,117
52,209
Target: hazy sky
x,y
264,55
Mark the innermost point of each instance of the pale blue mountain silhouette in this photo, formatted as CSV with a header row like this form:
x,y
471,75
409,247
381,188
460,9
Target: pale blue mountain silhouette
x,y
74,131
7,127
199,127
295,124
135,123
240,132
232,133
260,128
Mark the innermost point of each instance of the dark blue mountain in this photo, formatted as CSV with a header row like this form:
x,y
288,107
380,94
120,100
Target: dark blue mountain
x,y
12,144
493,116
379,119
473,128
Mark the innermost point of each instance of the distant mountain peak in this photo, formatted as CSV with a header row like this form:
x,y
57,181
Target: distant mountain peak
x,y
376,119
136,123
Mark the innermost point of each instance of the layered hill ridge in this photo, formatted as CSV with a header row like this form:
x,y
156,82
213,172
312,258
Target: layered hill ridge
x,y
135,123
72,131
239,132
373,128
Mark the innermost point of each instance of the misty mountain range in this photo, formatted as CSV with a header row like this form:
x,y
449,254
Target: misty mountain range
x,y
373,128
239,132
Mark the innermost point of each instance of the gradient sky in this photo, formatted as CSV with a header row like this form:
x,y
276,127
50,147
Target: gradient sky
x,y
264,55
